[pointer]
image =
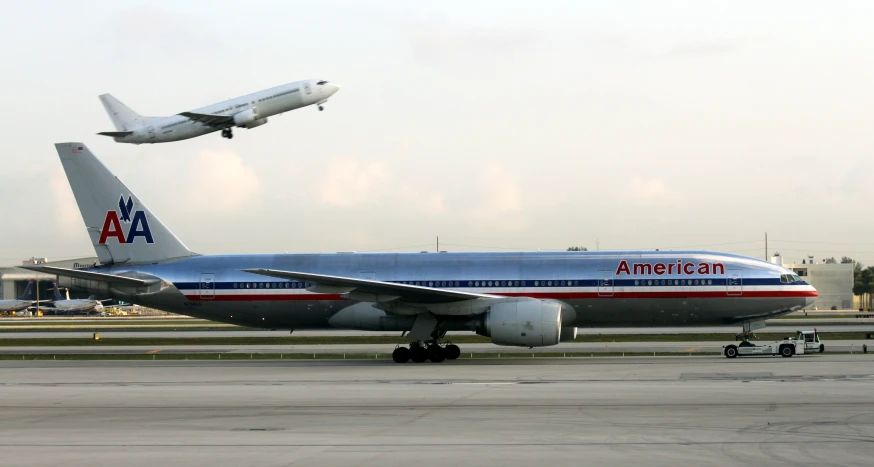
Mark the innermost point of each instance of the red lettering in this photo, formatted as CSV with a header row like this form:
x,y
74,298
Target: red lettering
x,y
671,268
623,267
718,268
689,268
111,228
704,268
659,269
640,269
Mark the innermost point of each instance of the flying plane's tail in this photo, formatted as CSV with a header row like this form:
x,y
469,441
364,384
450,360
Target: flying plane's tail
x,y
121,227
29,291
121,115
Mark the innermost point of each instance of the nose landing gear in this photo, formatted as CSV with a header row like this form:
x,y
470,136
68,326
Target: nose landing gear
x,y
321,108
228,133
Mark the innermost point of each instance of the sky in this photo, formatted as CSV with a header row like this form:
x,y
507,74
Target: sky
x,y
494,125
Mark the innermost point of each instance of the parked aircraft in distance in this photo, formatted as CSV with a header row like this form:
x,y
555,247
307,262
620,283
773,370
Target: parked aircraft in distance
x,y
27,299
248,112
62,305
527,299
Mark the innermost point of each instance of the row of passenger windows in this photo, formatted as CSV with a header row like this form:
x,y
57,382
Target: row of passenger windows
x,y
675,282
277,95
273,285
174,124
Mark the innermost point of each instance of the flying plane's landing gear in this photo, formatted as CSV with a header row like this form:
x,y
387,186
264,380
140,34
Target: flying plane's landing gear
x,y
228,133
321,108
419,352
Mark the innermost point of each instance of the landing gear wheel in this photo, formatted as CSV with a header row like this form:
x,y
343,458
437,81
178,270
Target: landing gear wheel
x,y
401,355
436,353
321,108
730,351
452,352
786,351
821,348
418,354
228,133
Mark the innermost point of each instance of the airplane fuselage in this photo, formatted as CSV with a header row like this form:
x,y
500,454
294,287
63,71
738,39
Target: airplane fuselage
x,y
264,104
14,305
625,288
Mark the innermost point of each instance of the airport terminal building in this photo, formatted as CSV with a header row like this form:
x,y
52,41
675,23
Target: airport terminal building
x,y
833,281
13,279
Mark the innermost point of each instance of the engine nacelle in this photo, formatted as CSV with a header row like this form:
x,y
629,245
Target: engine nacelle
x,y
246,117
523,323
259,122
568,334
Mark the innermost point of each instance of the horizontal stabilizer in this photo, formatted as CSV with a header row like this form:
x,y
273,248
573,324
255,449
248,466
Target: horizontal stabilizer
x,y
116,134
92,276
209,119
410,293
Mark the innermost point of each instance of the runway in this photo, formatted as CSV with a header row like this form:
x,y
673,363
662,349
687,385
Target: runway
x,y
651,411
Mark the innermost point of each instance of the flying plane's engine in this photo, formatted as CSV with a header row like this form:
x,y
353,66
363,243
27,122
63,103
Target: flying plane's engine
x,y
568,334
246,117
259,122
523,323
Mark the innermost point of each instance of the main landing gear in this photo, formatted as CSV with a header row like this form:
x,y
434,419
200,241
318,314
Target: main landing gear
x,y
321,108
228,133
419,352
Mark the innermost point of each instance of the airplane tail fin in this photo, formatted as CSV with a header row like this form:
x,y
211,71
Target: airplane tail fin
x,y
57,294
121,115
121,227
29,291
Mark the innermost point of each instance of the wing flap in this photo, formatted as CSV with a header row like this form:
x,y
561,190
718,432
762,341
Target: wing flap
x,y
375,291
209,119
92,276
116,134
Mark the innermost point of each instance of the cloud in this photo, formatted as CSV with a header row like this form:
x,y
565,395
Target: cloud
x,y
648,191
220,182
437,39
349,182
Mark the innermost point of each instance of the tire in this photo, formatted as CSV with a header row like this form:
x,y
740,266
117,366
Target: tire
x,y
418,354
821,348
436,354
786,351
401,355
730,351
452,352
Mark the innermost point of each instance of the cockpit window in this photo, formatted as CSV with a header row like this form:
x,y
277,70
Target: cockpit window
x,y
797,279
322,82
789,278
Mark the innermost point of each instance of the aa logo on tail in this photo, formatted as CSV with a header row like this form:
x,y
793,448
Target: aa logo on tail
x,y
138,225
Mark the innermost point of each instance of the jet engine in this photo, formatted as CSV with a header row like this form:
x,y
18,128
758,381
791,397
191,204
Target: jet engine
x,y
246,117
259,122
523,323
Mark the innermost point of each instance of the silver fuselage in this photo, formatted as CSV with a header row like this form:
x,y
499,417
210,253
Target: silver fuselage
x,y
594,286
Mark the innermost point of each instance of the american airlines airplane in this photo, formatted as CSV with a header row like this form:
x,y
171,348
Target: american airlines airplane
x,y
248,112
26,300
527,299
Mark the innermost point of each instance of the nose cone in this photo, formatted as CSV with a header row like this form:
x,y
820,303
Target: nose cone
x,y
811,297
332,88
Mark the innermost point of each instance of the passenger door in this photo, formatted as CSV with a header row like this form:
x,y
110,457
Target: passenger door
x,y
207,286
734,282
605,283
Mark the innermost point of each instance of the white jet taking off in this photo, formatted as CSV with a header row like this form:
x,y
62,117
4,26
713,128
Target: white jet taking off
x,y
248,112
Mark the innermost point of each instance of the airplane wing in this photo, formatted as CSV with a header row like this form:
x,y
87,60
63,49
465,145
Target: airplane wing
x,y
375,290
115,134
94,276
209,119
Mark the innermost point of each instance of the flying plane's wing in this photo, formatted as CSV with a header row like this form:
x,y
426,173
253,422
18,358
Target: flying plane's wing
x,y
375,290
115,134
209,119
94,276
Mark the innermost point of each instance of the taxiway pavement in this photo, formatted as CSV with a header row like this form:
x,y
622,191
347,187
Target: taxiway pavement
x,y
632,411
